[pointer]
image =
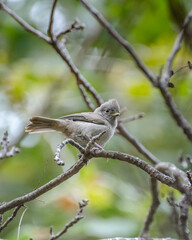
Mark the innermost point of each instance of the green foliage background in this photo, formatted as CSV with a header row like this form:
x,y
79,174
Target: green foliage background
x,y
35,81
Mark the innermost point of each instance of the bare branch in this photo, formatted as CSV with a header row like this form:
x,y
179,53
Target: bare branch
x,y
86,156
153,208
85,97
9,219
24,24
5,152
62,51
173,171
75,25
175,49
50,27
75,220
132,118
121,41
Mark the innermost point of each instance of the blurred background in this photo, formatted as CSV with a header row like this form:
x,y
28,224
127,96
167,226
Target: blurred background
x,y
35,81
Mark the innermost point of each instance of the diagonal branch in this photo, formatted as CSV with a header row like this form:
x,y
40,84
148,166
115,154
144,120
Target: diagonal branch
x,y
25,25
121,41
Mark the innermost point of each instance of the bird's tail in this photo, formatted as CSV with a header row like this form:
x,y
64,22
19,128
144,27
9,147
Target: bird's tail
x,y
41,124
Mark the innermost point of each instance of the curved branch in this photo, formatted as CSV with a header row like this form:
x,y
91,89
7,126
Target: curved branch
x,y
77,167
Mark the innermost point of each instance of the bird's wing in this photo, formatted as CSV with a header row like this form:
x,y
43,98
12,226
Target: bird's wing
x,y
86,117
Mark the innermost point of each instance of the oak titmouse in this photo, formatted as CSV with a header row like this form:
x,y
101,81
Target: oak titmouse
x,y
82,126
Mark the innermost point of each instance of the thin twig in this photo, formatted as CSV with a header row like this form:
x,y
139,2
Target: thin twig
x,y
80,79
50,27
9,219
175,49
74,25
26,26
5,152
85,97
57,157
75,220
153,208
132,118
121,41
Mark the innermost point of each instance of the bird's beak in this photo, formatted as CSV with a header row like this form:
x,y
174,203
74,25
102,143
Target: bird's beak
x,y
115,114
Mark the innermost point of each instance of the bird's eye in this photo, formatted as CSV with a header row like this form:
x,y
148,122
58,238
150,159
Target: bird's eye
x,y
107,110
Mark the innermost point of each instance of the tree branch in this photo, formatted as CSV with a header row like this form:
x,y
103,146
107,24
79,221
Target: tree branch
x,y
50,27
75,220
24,24
121,41
9,219
179,118
153,208
132,118
86,156
5,152
74,25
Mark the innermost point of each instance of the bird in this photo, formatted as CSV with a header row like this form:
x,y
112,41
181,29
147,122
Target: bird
x,y
81,127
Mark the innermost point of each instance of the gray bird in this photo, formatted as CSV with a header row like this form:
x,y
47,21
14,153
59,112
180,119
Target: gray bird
x,y
82,126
